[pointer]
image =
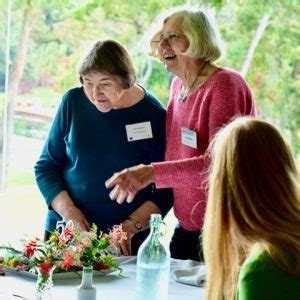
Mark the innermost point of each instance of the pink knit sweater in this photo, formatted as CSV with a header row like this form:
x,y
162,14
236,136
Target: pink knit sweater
x,y
222,97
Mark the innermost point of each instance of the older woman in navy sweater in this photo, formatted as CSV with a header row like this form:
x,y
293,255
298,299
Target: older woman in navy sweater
x,y
107,124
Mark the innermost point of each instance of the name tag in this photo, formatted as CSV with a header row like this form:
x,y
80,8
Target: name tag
x,y
138,131
189,137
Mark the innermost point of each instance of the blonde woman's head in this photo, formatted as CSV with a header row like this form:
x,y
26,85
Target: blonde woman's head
x,y
199,29
253,201
255,169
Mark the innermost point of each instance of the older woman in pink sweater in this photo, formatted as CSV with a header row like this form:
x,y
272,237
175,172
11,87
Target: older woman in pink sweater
x,y
203,98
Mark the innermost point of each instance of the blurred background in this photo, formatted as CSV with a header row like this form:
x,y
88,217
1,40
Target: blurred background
x,y
42,42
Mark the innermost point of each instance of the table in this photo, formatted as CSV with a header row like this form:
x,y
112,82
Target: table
x,y
109,287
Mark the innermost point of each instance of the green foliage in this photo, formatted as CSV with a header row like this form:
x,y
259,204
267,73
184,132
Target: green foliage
x,y
159,82
274,70
61,30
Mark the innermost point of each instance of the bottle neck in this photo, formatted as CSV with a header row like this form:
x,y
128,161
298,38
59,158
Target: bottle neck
x,y
155,231
87,276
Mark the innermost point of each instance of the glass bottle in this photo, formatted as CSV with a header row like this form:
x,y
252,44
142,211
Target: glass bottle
x,y
87,291
153,264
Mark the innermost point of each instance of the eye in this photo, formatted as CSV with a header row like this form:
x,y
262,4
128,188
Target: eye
x,y
88,83
171,35
105,84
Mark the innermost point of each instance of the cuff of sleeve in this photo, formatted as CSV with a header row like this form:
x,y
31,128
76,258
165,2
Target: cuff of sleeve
x,y
159,172
49,198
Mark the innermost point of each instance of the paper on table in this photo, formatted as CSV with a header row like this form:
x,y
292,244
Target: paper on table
x,y
190,272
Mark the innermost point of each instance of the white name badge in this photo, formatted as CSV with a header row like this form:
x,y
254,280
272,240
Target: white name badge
x,y
189,137
138,131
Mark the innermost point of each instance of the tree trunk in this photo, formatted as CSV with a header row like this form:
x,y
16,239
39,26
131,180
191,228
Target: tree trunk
x,y
17,72
147,70
258,34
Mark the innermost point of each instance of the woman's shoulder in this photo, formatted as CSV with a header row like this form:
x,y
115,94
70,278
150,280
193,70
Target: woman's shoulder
x,y
258,261
261,278
227,75
73,93
262,262
152,102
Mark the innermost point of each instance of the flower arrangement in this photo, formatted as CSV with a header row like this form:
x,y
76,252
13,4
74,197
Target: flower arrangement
x,y
68,250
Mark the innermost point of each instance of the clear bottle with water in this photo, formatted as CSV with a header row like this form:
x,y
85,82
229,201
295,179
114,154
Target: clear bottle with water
x,y
153,265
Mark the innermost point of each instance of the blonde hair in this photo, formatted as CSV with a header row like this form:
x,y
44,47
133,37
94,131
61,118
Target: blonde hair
x,y
253,201
198,27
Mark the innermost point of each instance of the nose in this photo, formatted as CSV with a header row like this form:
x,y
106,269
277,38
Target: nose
x,y
163,45
97,91
164,41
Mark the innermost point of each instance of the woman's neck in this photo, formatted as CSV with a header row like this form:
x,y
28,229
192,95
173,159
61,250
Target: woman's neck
x,y
132,96
195,73
192,71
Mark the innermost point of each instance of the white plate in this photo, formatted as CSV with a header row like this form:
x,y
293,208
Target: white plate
x,y
73,275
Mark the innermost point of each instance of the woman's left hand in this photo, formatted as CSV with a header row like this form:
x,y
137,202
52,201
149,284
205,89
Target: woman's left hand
x,y
125,245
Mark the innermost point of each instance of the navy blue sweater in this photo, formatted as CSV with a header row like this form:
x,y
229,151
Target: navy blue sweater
x,y
85,147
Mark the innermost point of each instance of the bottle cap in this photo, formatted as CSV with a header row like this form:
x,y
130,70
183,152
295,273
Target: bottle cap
x,y
155,218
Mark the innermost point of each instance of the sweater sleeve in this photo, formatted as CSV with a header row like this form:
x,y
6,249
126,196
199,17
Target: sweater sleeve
x,y
230,97
49,167
163,198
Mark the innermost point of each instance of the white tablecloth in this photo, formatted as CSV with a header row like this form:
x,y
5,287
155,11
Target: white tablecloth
x,y
109,287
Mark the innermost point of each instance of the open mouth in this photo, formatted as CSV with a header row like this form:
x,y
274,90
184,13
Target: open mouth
x,y
169,56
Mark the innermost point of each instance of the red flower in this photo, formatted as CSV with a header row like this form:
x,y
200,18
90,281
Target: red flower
x,y
68,260
101,266
30,248
45,268
68,233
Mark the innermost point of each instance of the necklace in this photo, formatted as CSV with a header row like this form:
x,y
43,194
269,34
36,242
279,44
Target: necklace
x,y
184,91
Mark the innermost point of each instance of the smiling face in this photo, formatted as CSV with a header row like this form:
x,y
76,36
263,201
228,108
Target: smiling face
x,y
104,91
172,43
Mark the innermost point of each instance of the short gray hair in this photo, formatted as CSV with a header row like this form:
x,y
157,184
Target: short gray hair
x,y
109,57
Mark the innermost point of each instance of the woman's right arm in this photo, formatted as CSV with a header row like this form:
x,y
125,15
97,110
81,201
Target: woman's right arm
x,y
66,208
49,169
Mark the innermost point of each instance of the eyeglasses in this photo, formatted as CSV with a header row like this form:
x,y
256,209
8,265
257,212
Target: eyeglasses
x,y
169,37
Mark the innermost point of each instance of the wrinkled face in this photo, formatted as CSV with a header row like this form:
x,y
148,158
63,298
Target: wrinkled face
x,y
103,90
172,43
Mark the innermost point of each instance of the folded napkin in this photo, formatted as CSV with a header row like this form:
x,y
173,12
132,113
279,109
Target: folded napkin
x,y
190,272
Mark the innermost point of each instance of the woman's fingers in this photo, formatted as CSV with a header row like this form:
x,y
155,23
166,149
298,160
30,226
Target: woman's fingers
x,y
128,182
131,196
125,248
78,218
121,196
87,225
115,179
114,192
